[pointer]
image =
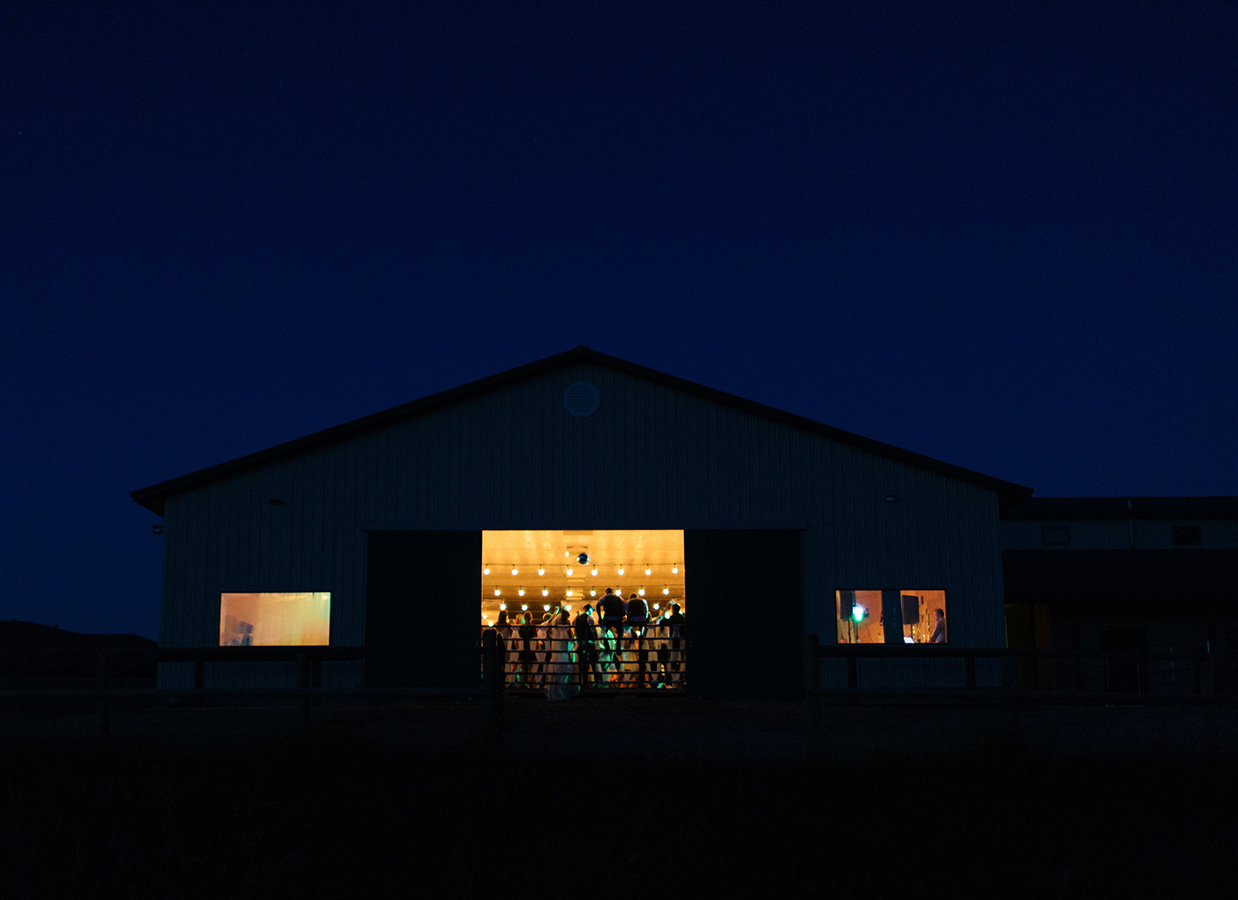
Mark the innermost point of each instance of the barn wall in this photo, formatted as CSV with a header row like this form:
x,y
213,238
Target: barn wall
x,y
650,457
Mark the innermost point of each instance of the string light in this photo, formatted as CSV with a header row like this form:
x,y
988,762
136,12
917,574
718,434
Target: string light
x,y
594,572
545,607
486,570
593,593
666,590
621,570
515,571
545,592
569,593
524,606
498,593
569,571
641,592
648,570
541,570
520,592
675,569
502,606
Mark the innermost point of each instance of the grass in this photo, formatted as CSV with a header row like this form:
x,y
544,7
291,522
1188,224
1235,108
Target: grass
x,y
336,817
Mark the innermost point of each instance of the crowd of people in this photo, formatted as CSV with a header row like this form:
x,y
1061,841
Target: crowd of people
x,y
624,647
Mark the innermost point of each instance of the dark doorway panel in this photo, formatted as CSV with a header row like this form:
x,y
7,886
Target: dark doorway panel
x,y
746,622
421,608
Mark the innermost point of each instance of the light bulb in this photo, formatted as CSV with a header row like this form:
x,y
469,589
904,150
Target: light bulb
x,y
593,593
648,570
666,590
545,607
641,592
569,572
541,570
520,592
545,592
621,570
675,569
594,572
569,593
567,606
502,606
486,570
515,571
498,593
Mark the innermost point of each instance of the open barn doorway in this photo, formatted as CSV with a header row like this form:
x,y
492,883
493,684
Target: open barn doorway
x,y
597,609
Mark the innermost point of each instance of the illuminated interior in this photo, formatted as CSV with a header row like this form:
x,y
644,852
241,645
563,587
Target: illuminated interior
x,y
860,618
274,619
543,571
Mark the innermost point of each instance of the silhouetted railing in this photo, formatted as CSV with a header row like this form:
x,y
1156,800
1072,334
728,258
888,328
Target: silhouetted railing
x,y
1158,675
555,664
101,678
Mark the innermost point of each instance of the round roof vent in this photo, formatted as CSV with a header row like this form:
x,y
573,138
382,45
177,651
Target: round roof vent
x,y
582,399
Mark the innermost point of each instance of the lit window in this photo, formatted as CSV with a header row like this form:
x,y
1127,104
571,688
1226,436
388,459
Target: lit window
x,y
274,619
891,617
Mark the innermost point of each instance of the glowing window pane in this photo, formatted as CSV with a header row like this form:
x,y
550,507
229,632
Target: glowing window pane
x,y
275,619
863,616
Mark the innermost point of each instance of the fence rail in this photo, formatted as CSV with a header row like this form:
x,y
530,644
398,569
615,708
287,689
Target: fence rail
x,y
1162,675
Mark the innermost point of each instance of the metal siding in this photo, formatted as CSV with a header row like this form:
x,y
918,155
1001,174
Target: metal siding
x,y
649,457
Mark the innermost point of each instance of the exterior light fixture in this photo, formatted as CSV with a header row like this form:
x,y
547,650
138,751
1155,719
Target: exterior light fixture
x,y
891,498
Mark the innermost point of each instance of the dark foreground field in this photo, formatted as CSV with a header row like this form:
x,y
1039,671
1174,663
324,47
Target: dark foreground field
x,y
335,812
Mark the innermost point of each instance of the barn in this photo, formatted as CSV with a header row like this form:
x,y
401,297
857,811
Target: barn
x,y
545,485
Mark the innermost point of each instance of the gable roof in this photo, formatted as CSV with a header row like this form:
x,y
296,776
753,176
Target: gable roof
x,y
153,497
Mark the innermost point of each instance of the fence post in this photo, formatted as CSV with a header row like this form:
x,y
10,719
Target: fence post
x,y
812,666
492,654
103,703
199,680
303,684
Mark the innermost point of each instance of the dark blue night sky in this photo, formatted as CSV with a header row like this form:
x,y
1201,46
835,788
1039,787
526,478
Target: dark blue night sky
x,y
1000,234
